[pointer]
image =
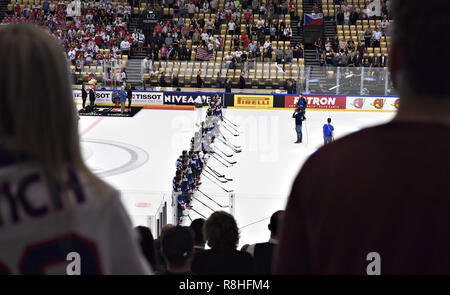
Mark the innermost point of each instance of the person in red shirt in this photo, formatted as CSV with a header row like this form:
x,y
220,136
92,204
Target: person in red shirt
x,y
248,16
378,201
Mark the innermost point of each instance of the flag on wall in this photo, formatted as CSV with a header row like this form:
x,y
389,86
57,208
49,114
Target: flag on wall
x,y
374,8
313,19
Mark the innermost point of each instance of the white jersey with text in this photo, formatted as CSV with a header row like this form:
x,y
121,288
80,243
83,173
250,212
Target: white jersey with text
x,y
86,224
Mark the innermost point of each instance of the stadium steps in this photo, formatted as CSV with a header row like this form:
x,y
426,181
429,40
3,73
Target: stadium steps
x,y
297,34
330,29
133,70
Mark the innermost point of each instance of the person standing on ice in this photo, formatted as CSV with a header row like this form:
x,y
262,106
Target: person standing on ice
x,y
298,115
328,132
198,103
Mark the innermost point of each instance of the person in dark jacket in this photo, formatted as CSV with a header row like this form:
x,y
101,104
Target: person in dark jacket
x,y
242,81
263,252
227,85
175,82
162,80
222,235
129,96
92,97
199,79
197,228
177,249
298,115
146,242
218,81
83,95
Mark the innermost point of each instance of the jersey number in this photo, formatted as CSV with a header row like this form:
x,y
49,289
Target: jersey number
x,y
37,257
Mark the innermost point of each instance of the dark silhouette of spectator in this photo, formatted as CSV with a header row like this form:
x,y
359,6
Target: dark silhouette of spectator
x,y
199,79
227,85
162,80
222,235
242,81
160,263
177,249
197,228
262,252
145,239
399,225
175,82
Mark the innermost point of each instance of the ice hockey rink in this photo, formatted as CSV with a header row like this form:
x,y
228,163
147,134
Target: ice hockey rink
x,y
137,156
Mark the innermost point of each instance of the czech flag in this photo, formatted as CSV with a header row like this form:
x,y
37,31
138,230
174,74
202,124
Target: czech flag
x,y
313,19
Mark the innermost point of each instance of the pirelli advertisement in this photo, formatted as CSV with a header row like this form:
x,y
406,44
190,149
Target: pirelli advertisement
x,y
253,101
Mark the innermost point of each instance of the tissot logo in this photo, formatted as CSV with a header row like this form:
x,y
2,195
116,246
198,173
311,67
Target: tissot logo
x,y
147,96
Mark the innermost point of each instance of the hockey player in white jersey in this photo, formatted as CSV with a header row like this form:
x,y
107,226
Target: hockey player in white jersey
x,y
56,217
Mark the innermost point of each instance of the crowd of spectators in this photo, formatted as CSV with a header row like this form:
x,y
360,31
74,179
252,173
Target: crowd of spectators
x,y
348,15
171,39
83,28
209,247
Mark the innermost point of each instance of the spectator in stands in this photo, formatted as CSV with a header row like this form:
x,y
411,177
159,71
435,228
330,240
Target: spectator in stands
x,y
242,81
289,54
339,15
377,37
354,15
384,25
227,85
411,235
177,249
222,235
199,79
197,228
262,252
125,47
145,239
368,37
162,80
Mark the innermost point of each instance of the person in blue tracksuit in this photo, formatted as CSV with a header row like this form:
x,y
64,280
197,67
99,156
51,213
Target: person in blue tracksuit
x,y
298,115
328,132
123,98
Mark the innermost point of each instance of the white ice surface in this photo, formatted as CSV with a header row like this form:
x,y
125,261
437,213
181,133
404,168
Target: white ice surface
x,y
262,176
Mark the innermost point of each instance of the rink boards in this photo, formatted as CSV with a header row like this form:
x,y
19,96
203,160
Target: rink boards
x,y
169,100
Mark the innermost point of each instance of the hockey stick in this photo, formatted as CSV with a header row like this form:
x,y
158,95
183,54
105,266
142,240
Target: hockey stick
x,y
215,172
204,204
231,126
228,191
233,149
198,213
221,181
221,206
225,127
219,175
220,162
223,152
229,142
226,119
232,163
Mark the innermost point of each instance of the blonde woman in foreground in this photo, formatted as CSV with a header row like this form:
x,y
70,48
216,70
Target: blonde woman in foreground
x,y
56,217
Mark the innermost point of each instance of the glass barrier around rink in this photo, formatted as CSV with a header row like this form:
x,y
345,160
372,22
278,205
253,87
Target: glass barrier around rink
x,y
349,81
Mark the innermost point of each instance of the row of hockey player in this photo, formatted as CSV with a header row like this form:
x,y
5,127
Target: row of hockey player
x,y
191,163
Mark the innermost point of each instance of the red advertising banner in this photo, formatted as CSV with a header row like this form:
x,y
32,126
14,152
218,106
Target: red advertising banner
x,y
317,102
